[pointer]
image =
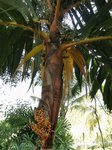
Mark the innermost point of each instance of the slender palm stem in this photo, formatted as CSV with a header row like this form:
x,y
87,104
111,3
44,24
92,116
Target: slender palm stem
x,y
41,34
85,41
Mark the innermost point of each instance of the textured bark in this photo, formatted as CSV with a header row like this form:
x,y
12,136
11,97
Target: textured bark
x,y
52,89
52,80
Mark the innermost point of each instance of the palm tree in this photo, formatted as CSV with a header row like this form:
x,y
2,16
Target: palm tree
x,y
36,34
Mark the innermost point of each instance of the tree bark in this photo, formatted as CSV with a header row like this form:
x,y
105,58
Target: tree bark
x,y
52,88
52,79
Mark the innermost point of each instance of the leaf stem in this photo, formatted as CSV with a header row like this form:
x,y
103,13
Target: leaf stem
x,y
85,41
54,25
41,34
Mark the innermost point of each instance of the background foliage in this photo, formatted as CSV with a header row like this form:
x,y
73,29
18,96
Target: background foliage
x,y
16,134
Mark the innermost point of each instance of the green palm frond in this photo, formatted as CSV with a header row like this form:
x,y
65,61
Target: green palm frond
x,y
95,20
15,131
19,34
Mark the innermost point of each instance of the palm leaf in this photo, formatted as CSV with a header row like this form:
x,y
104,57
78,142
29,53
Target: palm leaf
x,y
78,59
98,61
68,71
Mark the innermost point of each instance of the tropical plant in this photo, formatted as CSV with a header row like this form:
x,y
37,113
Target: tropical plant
x,y
16,134
15,130
64,140
36,34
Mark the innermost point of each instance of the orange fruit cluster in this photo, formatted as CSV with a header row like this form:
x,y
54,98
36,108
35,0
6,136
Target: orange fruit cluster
x,y
42,127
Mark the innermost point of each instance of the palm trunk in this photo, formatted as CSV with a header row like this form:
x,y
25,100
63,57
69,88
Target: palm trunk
x,y
52,79
52,89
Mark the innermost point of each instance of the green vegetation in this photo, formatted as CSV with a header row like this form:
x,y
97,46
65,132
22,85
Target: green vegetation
x,y
16,134
38,42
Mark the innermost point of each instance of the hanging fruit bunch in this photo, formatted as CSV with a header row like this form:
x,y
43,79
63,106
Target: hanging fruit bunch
x,y
42,125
